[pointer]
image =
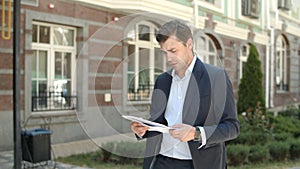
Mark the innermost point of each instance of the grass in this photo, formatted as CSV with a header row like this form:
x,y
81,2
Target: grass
x,y
93,160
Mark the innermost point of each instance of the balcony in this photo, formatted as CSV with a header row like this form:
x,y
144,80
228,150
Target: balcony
x,y
53,101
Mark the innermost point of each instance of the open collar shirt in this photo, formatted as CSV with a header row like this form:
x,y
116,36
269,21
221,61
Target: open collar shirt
x,y
173,147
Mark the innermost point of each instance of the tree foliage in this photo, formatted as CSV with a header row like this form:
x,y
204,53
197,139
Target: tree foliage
x,y
251,94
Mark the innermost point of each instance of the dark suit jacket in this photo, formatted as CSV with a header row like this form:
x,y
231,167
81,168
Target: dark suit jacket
x,y
209,102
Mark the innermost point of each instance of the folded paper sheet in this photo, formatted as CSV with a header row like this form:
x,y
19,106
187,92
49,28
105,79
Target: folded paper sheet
x,y
153,126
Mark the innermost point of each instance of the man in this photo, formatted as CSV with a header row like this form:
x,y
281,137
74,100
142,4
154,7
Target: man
x,y
196,100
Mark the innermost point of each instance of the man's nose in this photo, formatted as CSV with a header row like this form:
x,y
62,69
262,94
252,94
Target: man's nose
x,y
170,56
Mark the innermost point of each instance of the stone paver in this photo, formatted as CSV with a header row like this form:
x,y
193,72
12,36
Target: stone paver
x,y
63,150
7,162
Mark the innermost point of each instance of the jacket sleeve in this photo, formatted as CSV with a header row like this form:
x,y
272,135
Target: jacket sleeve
x,y
222,123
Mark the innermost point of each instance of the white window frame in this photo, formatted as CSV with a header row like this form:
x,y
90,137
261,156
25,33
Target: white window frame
x,y
133,39
205,54
281,74
51,49
241,17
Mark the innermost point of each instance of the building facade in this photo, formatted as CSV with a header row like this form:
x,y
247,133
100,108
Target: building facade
x,y
84,63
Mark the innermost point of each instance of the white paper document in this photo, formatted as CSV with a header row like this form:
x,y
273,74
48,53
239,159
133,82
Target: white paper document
x,y
153,126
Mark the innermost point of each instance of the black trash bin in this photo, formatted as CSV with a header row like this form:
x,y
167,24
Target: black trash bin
x,y
36,145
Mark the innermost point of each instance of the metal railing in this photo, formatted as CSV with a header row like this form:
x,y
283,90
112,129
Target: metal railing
x,y
142,93
53,101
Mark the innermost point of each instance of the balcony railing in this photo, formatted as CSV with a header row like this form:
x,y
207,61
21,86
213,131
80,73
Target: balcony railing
x,y
53,101
142,93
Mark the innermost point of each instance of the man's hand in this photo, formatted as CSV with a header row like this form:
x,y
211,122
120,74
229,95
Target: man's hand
x,y
138,128
183,132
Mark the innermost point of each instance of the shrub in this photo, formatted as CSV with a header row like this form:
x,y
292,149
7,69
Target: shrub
x,y
253,138
124,152
279,151
258,154
287,125
129,152
294,149
282,136
250,93
237,154
291,111
260,138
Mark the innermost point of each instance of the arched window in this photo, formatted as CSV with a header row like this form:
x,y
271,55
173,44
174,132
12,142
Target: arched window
x,y
281,64
145,62
206,49
244,53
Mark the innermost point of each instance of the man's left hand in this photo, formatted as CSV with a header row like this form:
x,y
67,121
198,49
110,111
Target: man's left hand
x,y
183,132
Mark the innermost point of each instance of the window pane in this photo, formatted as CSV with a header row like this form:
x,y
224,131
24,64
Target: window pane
x,y
60,85
39,64
62,65
211,46
34,68
39,93
131,61
44,34
158,61
58,65
278,78
67,66
34,88
34,33
42,87
131,89
130,72
42,69
144,32
144,67
63,36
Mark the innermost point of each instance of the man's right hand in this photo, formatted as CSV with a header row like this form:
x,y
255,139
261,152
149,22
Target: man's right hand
x,y
138,128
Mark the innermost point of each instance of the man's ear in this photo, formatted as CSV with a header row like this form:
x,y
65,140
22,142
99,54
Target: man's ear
x,y
190,43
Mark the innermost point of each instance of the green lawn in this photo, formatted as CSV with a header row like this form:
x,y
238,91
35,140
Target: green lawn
x,y
93,160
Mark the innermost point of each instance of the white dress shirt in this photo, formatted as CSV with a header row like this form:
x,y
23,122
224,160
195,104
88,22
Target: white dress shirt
x,y
170,146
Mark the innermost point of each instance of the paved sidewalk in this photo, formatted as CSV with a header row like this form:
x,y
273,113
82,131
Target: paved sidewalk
x,y
63,150
7,162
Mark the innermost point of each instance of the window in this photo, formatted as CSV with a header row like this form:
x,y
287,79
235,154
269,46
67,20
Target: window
x,y
52,75
145,62
206,49
281,64
251,8
244,53
284,4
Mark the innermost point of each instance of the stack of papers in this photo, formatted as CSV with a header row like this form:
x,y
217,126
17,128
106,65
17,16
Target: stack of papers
x,y
153,126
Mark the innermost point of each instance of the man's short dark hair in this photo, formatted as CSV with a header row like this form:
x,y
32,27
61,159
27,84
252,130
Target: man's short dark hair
x,y
174,28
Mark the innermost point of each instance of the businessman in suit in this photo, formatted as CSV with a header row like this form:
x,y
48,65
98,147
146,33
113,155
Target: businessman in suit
x,y
196,100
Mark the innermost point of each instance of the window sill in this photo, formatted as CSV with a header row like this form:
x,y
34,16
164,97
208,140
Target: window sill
x,y
53,113
282,91
138,102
